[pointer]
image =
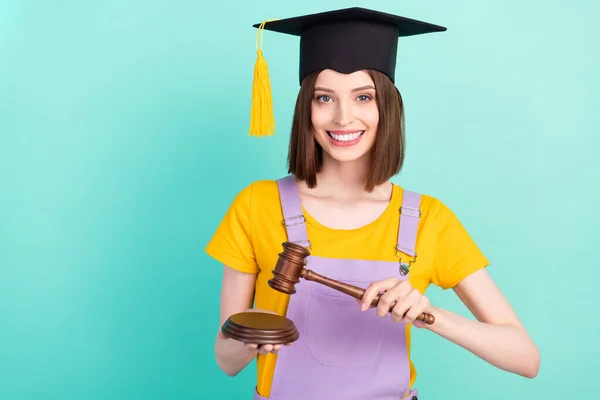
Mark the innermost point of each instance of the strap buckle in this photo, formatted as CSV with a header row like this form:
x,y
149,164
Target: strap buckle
x,y
404,267
413,212
300,217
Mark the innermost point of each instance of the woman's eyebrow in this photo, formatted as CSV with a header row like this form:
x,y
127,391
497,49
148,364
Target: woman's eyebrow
x,y
358,89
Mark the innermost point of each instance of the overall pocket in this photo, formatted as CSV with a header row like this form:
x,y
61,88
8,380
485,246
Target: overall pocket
x,y
339,334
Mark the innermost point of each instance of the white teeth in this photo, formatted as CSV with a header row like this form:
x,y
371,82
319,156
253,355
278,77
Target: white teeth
x,y
346,137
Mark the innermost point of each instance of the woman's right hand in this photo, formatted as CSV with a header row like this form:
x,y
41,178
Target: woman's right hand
x,y
237,295
254,347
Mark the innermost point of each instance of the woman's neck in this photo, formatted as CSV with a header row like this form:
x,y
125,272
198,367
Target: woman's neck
x,y
344,179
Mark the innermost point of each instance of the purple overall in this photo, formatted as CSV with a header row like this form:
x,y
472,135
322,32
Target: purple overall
x,y
343,352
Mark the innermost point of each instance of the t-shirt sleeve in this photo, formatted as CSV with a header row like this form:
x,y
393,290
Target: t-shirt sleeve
x,y
456,254
231,243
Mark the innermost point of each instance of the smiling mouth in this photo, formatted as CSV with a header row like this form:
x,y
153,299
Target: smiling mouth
x,y
345,136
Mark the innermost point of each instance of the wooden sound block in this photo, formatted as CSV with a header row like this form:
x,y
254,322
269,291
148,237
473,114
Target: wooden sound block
x,y
260,328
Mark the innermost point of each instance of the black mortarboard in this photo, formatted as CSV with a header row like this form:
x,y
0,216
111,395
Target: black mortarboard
x,y
345,41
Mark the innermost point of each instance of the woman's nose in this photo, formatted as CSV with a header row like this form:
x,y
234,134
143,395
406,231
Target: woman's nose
x,y
344,115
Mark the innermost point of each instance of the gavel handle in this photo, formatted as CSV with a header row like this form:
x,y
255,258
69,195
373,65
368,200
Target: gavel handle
x,y
353,291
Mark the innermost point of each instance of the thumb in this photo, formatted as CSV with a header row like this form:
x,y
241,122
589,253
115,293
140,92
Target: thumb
x,y
222,335
419,324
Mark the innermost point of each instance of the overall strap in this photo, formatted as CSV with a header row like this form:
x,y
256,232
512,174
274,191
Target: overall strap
x,y
410,214
293,217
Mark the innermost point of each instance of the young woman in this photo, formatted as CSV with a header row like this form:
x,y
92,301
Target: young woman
x,y
347,141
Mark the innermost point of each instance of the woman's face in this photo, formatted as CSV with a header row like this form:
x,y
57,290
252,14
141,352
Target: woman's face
x,y
344,114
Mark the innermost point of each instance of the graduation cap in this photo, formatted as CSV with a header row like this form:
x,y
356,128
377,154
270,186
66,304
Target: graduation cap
x,y
345,41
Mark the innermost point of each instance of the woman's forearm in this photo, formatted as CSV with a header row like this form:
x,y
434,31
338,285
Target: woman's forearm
x,y
504,346
232,356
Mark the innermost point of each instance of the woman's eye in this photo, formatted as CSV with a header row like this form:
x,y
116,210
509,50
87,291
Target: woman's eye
x,y
364,98
324,98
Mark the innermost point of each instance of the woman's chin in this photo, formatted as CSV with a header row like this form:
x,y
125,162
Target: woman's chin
x,y
346,155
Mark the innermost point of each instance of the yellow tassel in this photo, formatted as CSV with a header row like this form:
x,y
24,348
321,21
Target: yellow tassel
x,y
262,119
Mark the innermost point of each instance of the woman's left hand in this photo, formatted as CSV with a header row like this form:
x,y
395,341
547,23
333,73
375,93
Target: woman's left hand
x,y
407,302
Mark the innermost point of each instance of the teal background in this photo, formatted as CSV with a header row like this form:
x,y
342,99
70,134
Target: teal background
x,y
123,140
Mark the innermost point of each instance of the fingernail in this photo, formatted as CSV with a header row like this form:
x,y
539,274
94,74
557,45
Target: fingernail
x,y
363,306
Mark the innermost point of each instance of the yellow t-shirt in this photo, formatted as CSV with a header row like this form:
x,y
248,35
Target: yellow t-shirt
x,y
251,234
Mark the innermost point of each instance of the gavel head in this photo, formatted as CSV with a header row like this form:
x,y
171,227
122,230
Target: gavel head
x,y
289,267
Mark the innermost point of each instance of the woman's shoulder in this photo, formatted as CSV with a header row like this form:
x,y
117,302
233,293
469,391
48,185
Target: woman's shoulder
x,y
265,187
262,192
430,205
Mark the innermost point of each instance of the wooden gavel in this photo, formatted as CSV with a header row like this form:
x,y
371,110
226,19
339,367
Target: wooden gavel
x,y
290,268
268,328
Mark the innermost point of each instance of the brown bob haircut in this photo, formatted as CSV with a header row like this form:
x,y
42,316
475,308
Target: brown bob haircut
x,y
305,155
